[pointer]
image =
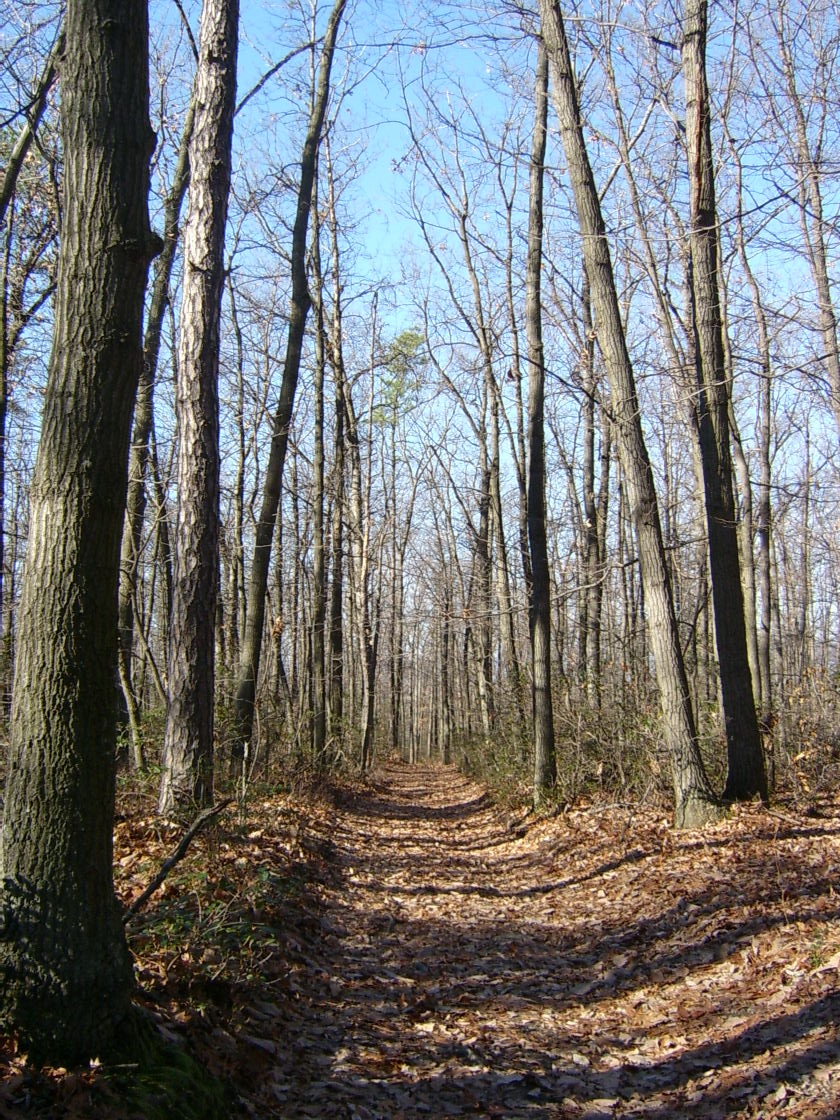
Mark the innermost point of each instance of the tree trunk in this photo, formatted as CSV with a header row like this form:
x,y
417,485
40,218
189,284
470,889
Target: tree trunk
x,y
319,575
236,583
695,801
746,773
539,613
66,971
336,604
187,777
359,525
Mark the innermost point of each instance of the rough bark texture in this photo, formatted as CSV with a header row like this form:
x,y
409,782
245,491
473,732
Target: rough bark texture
x,y
695,802
249,665
65,968
539,605
187,777
746,774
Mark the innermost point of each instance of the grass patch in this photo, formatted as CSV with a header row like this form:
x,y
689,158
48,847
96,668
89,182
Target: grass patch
x,y
161,1081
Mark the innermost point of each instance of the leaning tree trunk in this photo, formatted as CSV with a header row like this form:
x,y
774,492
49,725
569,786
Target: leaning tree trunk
x,y
539,612
746,775
695,800
65,968
187,776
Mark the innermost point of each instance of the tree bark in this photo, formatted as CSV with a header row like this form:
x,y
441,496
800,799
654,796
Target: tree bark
x,y
187,777
318,687
539,613
336,604
65,968
746,775
695,801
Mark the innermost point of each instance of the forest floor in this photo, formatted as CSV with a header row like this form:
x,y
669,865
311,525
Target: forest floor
x,y
404,949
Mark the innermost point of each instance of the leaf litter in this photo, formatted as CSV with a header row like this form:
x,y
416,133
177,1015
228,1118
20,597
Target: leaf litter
x,y
403,948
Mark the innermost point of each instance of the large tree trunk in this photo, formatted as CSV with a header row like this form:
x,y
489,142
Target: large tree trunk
x,y
187,777
539,612
746,775
66,971
695,801
249,665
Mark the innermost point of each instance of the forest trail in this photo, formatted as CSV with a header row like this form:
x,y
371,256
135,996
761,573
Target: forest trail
x,y
594,965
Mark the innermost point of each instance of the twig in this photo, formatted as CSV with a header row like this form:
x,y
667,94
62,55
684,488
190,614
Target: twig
x,y
783,816
176,857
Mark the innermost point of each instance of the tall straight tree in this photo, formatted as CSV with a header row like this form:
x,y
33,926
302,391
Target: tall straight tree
x,y
249,664
539,604
746,775
187,777
694,798
65,968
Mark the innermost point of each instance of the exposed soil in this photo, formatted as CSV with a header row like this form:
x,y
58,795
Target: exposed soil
x,y
447,959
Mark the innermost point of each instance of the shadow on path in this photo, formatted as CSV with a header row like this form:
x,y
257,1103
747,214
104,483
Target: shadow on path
x,y
459,974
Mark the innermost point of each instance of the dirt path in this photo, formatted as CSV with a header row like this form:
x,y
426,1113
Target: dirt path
x,y
596,965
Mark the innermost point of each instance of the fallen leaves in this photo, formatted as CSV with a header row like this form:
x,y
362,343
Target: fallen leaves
x,y
596,963
408,955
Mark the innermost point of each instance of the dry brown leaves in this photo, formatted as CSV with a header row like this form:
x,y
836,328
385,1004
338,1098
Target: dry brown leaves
x,y
412,953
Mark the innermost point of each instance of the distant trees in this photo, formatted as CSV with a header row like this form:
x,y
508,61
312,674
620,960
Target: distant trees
x,y
252,644
584,410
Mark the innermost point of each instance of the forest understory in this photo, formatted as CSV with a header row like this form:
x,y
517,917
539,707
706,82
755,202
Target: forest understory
x,y
404,948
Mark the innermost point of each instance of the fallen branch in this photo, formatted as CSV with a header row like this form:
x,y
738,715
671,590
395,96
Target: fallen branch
x,y
175,858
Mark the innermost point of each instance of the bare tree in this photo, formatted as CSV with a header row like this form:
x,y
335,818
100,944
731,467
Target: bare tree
x,y
545,770
695,801
746,774
187,776
258,581
26,135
